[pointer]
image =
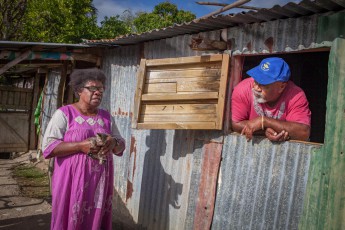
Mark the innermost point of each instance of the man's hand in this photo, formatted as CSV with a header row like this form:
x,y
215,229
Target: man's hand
x,y
274,136
250,127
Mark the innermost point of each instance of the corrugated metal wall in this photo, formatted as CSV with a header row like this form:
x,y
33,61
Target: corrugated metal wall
x,y
169,179
261,185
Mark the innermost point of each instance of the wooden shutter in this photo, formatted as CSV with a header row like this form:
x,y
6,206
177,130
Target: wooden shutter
x,y
181,93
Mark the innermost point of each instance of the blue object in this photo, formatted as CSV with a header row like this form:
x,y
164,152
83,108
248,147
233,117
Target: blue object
x,y
270,70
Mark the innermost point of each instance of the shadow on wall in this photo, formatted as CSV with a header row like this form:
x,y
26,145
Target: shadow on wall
x,y
159,191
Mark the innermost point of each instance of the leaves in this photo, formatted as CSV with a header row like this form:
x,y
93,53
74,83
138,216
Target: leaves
x,y
165,14
71,21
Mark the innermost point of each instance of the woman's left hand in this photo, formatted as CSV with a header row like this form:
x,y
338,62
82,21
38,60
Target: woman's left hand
x,y
108,145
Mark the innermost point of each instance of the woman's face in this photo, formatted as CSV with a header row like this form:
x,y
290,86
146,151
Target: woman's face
x,y
92,93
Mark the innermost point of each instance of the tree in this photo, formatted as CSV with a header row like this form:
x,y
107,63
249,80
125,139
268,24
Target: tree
x,y
112,27
63,21
11,18
163,15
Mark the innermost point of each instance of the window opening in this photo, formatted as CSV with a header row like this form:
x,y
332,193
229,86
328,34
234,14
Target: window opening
x,y
310,72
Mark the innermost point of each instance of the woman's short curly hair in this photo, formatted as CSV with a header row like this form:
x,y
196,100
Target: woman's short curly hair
x,y
79,77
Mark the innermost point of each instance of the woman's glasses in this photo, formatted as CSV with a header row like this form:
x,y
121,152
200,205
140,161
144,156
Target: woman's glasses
x,y
94,88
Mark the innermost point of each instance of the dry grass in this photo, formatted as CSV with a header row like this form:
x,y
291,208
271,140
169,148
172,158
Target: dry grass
x,y
32,181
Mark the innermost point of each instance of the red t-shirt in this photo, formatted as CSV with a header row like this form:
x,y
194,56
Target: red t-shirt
x,y
291,106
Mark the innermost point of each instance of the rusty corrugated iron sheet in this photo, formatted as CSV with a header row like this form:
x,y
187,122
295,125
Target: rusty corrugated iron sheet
x,y
261,184
290,10
208,184
49,102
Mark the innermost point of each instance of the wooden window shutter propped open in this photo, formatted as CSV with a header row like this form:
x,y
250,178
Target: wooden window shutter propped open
x,y
181,93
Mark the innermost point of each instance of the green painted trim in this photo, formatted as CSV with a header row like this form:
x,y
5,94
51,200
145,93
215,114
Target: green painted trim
x,y
331,27
324,203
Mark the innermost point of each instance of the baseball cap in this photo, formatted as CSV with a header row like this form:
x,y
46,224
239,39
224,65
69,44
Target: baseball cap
x,y
270,70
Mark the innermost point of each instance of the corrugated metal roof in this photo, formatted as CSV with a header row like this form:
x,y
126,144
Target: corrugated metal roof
x,y
290,10
41,46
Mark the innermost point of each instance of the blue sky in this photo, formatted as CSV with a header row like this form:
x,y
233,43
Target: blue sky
x,y
114,7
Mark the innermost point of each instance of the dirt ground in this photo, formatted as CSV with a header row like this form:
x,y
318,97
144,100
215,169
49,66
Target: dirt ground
x,y
18,212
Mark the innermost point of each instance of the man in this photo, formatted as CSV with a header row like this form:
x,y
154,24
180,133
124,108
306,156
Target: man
x,y
268,103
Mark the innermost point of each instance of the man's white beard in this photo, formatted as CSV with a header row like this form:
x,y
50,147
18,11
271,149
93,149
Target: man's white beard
x,y
258,97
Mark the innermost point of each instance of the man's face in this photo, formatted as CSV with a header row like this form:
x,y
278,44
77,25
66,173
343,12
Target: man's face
x,y
268,93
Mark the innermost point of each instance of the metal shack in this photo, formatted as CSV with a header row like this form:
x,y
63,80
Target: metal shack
x,y
187,177
192,171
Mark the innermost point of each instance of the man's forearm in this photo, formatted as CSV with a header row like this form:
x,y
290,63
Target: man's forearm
x,y
297,131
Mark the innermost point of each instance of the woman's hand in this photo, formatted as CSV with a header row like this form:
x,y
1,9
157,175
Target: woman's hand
x,y
89,146
109,145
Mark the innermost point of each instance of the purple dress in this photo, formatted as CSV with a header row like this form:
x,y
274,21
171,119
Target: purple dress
x,y
82,188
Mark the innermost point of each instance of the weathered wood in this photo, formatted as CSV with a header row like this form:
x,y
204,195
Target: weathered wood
x,y
32,128
22,57
174,118
222,90
181,92
138,92
182,96
167,87
179,109
183,80
183,73
184,60
198,86
177,125
62,83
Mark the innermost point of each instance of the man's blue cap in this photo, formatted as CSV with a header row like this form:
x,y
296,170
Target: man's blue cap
x,y
270,70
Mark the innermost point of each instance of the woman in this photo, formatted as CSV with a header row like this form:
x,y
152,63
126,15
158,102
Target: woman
x,y
82,185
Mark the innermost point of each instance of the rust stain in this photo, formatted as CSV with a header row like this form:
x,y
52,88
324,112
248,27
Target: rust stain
x,y
119,111
133,150
130,114
129,190
249,46
208,184
269,42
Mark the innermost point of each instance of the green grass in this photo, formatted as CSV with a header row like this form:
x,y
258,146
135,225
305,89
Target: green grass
x,y
32,181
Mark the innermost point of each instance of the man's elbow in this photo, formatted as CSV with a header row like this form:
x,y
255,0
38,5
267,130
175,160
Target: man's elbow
x,y
305,133
236,127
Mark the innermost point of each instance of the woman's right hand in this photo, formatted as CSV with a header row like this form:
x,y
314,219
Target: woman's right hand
x,y
87,146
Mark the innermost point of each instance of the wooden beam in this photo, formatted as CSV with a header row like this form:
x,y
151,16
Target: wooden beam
x,y
22,57
224,4
225,8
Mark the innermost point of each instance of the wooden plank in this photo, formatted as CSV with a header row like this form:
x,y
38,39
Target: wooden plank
x,y
32,128
222,90
184,60
12,63
177,125
168,87
138,92
62,83
4,98
179,109
183,67
179,118
183,73
198,86
9,88
10,98
183,80
182,96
